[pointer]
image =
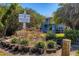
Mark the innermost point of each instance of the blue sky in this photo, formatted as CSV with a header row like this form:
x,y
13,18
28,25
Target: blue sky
x,y
45,9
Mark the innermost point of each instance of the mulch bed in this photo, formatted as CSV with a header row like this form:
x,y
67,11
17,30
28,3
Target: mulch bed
x,y
22,50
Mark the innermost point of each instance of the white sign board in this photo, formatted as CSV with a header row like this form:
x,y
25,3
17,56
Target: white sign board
x,y
24,18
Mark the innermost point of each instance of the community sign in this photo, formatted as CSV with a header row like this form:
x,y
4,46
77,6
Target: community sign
x,y
25,18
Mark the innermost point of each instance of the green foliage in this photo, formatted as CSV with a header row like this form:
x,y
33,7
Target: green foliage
x,y
50,35
9,19
51,44
23,42
40,44
36,19
9,15
72,34
60,36
66,14
50,27
19,41
1,27
14,40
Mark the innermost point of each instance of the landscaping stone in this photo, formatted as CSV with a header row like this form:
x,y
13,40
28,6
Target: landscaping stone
x,y
26,49
11,46
58,47
15,49
33,50
40,51
49,51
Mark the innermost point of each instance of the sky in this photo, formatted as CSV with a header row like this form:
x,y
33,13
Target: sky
x,y
45,9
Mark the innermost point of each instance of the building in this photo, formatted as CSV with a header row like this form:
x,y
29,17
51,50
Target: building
x,y
56,28
45,26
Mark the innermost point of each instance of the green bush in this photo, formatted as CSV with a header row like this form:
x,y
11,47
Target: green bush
x,y
19,41
40,44
14,40
50,35
51,44
72,34
60,35
24,42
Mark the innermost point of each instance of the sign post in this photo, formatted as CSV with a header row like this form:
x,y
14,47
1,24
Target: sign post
x,y
24,25
24,18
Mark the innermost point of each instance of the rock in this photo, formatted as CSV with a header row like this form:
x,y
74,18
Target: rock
x,y
15,48
40,51
26,49
11,46
49,51
33,50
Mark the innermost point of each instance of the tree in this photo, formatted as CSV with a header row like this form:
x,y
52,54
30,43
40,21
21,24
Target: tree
x,y
67,14
35,18
9,18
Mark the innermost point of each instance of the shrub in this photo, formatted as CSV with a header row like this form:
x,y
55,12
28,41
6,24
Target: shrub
x,y
19,41
51,44
72,34
50,35
24,42
59,38
40,44
14,40
60,35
